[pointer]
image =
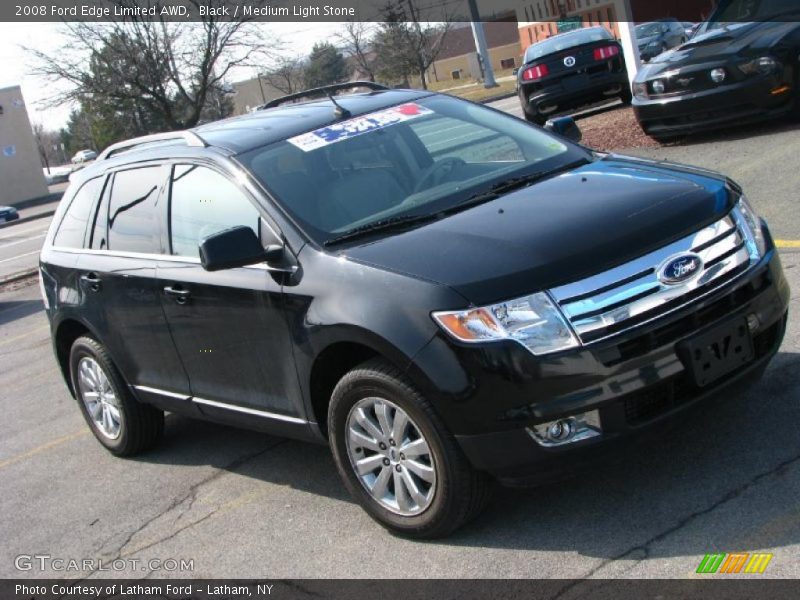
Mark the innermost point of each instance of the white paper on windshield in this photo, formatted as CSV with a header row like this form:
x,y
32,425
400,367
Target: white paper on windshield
x,y
357,126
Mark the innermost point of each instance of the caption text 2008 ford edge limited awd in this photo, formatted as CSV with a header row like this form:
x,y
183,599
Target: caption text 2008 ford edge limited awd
x,y
445,294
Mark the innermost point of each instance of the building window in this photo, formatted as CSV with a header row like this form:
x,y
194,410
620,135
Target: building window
x,y
507,63
527,16
456,74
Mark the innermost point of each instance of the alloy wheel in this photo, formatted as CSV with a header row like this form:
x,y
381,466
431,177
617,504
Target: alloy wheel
x,y
99,397
390,456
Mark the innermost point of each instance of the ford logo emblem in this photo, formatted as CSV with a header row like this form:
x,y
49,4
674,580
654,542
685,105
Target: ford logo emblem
x,y
569,61
680,268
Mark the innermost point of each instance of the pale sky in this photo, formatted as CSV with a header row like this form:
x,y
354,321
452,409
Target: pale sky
x,y
15,63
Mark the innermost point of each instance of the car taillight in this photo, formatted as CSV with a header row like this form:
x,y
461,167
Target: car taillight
x,y
605,52
534,73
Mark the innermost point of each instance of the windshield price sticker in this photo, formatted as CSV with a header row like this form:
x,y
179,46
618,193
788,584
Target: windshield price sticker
x,y
355,127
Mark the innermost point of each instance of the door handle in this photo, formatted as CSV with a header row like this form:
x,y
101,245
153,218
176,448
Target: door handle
x,y
91,282
180,295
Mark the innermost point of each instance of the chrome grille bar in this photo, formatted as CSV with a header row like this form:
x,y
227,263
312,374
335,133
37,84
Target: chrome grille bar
x,y
610,302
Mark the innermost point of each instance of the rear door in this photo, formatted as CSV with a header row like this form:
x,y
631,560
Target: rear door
x,y
117,275
229,325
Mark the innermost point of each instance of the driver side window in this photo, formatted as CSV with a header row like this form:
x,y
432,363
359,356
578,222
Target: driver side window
x,y
204,202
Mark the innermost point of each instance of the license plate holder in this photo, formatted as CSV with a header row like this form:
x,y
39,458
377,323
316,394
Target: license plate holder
x,y
575,82
715,353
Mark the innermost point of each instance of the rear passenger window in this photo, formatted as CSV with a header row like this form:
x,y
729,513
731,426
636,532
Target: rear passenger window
x,y
132,214
203,202
72,230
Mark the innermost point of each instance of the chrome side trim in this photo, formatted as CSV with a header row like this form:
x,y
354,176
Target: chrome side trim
x,y
634,291
250,411
150,390
161,257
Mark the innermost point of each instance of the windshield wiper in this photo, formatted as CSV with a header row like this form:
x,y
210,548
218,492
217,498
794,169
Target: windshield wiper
x,y
392,223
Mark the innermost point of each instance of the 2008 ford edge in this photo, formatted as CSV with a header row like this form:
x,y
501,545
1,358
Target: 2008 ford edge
x,y
446,295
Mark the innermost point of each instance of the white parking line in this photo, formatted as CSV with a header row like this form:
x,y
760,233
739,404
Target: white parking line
x,y
22,241
11,232
20,256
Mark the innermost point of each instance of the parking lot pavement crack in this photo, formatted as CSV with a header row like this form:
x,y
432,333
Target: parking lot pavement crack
x,y
643,549
191,497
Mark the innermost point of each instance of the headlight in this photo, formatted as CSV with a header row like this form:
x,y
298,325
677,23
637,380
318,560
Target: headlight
x,y
751,223
763,65
640,90
718,75
533,321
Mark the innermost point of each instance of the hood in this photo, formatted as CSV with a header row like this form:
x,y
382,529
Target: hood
x,y
718,45
556,231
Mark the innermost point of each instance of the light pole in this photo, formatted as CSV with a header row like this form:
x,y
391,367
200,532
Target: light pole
x,y
630,48
480,45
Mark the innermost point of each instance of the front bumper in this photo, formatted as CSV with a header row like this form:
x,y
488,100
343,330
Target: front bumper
x,y
740,102
634,381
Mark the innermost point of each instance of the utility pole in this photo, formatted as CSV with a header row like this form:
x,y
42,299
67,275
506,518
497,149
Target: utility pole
x,y
480,46
630,47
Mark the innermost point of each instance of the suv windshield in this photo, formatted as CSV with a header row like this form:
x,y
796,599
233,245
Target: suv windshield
x,y
566,41
649,29
415,160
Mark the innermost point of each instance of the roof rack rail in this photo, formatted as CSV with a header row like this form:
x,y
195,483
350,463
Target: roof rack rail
x,y
190,137
326,90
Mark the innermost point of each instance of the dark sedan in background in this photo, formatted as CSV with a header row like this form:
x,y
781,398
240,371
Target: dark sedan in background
x,y
658,37
8,213
729,73
571,70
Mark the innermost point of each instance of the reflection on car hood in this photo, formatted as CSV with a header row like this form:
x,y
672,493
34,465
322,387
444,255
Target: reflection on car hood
x,y
556,231
745,39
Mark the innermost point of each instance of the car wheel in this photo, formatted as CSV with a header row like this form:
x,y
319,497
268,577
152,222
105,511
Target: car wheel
x,y
119,422
537,118
626,96
397,458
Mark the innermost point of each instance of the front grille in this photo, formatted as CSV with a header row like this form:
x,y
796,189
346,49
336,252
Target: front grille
x,y
633,293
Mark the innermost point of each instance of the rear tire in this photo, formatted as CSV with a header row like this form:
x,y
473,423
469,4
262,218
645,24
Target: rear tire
x,y
536,119
121,423
447,493
626,96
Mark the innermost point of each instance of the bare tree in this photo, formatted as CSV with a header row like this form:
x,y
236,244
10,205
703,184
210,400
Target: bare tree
x,y
169,69
356,40
406,45
288,76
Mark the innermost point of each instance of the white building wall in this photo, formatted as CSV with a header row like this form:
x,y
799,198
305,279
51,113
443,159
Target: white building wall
x,y
21,176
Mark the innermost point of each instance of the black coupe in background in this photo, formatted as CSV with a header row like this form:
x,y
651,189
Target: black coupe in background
x,y
728,73
570,70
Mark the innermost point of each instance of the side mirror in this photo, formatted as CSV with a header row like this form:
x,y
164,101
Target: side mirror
x,y
231,248
565,127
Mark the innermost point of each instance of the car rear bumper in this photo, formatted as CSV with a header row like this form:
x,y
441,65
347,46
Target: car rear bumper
x,y
598,86
739,103
511,392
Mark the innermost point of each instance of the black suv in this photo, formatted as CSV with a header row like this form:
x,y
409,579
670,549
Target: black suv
x,y
445,294
571,70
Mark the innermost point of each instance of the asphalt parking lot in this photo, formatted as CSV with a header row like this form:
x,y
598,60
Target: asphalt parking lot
x,y
725,478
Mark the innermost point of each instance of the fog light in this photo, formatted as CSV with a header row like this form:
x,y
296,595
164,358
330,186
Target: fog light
x,y
659,87
753,322
567,430
718,75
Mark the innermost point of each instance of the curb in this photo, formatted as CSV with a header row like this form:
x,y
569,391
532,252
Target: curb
x,y
28,219
496,98
19,276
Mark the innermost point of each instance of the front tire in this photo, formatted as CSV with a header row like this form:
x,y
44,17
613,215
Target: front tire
x,y
397,458
122,424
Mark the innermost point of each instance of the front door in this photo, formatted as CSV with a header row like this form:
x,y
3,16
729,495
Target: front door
x,y
228,326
